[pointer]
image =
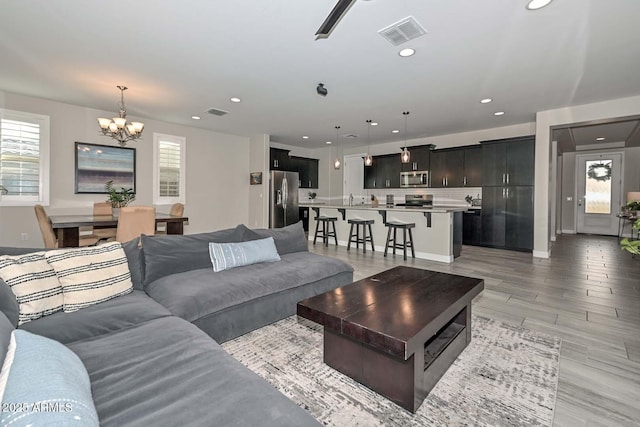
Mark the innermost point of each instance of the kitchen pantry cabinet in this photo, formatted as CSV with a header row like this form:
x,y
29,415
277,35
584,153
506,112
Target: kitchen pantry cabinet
x,y
507,193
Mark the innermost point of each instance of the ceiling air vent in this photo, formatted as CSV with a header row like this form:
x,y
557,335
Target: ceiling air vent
x,y
217,112
402,31
350,135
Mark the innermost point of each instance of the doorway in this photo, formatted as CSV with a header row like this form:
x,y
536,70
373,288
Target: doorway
x,y
599,192
353,177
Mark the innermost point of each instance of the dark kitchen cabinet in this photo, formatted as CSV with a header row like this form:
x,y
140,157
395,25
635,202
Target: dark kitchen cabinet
x,y
472,167
508,162
420,157
279,159
447,168
307,171
472,227
507,217
304,217
384,172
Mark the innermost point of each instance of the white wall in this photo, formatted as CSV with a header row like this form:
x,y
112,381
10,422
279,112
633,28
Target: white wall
x,y
217,170
259,194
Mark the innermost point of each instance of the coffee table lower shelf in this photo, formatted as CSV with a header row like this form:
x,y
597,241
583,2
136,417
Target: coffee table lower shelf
x,y
405,382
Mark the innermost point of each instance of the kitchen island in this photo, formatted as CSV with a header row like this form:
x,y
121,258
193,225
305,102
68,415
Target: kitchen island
x,y
436,237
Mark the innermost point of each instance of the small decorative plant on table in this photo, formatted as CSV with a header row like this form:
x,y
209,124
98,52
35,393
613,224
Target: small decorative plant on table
x,y
632,246
312,195
119,198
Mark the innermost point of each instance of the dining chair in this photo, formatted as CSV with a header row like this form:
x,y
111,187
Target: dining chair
x,y
104,233
134,221
177,209
49,237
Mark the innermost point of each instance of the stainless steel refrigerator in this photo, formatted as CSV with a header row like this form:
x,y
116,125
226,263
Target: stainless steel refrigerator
x,y
283,199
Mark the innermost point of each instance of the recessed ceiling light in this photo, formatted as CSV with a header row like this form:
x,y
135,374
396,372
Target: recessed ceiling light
x,y
498,113
328,142
406,52
537,4
234,99
195,117
305,137
374,123
485,101
395,131
601,138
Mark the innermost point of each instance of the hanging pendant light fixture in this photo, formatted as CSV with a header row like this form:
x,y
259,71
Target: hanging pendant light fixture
x,y
118,129
368,160
405,156
336,163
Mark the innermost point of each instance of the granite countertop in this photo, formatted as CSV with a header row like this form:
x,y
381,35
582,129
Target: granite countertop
x,y
383,207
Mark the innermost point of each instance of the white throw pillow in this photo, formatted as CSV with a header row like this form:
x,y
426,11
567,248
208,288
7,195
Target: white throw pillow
x,y
34,283
91,275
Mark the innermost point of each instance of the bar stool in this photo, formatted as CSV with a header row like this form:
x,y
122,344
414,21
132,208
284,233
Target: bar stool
x,y
327,222
364,223
393,242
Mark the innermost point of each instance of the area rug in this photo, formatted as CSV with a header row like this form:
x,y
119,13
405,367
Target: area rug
x,y
507,376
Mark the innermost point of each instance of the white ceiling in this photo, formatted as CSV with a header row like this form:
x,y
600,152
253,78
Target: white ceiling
x,y
182,58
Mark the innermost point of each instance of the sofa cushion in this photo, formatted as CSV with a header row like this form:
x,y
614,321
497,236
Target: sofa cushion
x,y
46,383
225,256
167,372
100,319
288,239
8,302
169,254
91,275
197,293
34,283
135,258
5,336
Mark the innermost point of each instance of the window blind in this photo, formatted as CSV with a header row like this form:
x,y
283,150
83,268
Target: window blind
x,y
19,157
169,165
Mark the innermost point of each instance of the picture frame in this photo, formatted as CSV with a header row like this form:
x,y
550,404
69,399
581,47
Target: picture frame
x,y
255,178
96,164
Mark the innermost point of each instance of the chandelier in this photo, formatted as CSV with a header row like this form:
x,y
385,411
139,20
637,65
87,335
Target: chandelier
x,y
117,128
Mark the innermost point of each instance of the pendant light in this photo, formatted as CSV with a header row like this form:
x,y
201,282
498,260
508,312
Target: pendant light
x,y
368,160
405,156
336,163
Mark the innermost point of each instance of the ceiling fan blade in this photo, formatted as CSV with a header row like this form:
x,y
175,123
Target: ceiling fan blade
x,y
334,17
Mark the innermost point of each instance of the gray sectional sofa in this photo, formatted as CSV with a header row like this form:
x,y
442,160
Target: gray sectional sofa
x,y
153,355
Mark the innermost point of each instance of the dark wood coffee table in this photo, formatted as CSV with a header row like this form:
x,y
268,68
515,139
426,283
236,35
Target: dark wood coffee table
x,y
396,332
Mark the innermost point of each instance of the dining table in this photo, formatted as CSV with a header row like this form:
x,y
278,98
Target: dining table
x,y
67,227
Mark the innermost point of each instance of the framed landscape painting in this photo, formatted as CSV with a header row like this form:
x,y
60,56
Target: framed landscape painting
x,y
97,164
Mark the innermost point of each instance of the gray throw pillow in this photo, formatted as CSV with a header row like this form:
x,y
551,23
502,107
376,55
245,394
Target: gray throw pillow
x,y
135,258
288,239
5,336
169,254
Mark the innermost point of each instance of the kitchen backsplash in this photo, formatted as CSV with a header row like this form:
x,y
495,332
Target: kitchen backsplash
x,y
441,196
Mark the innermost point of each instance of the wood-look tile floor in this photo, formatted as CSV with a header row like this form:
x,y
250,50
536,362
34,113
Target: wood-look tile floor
x,y
587,293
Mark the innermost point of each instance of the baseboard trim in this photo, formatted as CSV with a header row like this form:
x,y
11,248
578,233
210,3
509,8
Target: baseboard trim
x,y
568,231
542,254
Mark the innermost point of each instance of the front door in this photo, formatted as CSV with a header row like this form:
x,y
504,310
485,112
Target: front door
x,y
599,185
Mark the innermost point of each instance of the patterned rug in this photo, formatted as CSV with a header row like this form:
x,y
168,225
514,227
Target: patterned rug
x,y
507,376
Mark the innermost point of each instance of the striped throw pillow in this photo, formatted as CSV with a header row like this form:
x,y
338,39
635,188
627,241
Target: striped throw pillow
x,y
91,275
34,283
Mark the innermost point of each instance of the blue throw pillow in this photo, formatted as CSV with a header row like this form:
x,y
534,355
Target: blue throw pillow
x,y
229,255
44,383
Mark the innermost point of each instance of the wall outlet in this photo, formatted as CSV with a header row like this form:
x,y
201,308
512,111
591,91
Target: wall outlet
x,y
24,236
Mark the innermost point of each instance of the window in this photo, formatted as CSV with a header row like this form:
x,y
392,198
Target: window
x,y
24,158
169,170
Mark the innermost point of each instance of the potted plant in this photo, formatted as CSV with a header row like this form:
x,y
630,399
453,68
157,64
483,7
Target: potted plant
x,y
118,198
312,195
632,246
632,206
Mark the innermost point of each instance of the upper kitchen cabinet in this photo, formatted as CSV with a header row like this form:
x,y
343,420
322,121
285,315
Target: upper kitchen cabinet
x,y
384,172
279,159
447,168
472,166
508,162
419,159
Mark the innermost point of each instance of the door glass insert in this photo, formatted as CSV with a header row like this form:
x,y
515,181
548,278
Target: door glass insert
x,y
598,187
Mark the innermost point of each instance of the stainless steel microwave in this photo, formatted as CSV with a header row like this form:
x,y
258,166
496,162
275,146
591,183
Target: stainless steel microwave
x,y
414,179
